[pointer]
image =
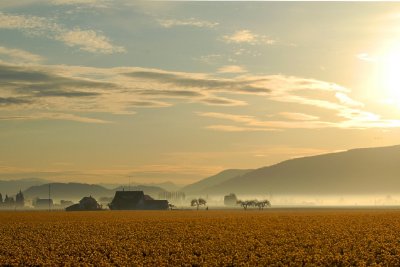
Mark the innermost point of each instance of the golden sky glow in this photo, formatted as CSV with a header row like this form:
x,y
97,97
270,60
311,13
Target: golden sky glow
x,y
97,91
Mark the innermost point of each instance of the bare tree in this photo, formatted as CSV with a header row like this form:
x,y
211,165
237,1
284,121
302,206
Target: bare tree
x,y
254,203
202,202
198,202
244,204
262,204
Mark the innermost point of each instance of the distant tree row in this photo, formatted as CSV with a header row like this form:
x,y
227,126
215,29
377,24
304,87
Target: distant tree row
x,y
254,203
19,200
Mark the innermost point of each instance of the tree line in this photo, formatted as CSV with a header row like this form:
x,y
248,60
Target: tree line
x,y
8,202
254,203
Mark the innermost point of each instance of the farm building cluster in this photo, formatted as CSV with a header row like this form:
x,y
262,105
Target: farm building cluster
x,y
123,200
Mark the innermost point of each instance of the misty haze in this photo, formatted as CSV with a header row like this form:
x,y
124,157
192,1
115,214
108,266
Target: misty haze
x,y
199,133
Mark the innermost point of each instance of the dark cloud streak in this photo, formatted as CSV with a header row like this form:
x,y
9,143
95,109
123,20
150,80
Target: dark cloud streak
x,y
207,83
66,94
33,83
6,101
173,93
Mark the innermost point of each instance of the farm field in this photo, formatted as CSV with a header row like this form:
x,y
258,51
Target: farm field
x,y
273,237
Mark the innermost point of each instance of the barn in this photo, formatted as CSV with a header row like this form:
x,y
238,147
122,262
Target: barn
x,y
136,200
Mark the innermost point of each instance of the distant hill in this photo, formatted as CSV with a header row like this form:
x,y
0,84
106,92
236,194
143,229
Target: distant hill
x,y
76,191
205,184
169,186
357,171
67,191
12,187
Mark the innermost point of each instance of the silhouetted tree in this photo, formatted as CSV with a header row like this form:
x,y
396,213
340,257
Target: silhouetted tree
x,y
254,203
171,206
19,199
198,202
246,203
9,201
1,198
261,204
202,202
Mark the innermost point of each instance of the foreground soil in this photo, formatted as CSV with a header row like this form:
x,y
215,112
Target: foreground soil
x,y
197,238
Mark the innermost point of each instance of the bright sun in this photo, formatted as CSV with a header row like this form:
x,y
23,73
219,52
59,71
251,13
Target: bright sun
x,y
390,77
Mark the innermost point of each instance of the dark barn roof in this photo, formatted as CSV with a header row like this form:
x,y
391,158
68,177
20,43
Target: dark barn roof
x,y
136,200
126,200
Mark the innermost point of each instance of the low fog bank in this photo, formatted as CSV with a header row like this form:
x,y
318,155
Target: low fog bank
x,y
309,200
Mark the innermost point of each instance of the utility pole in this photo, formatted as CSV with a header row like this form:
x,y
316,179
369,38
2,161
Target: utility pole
x,y
49,196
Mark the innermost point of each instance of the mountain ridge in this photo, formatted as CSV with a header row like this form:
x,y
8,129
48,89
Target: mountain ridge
x,y
355,171
11,187
214,180
75,191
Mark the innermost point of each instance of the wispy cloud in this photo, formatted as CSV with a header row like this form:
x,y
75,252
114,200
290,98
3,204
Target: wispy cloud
x,y
346,100
54,116
14,4
248,37
200,80
231,69
222,101
233,128
169,23
19,56
86,40
250,123
209,59
34,90
89,40
231,117
7,101
21,22
29,90
91,3
298,116
350,119
347,113
367,57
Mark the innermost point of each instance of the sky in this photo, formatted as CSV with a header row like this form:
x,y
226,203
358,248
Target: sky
x,y
101,91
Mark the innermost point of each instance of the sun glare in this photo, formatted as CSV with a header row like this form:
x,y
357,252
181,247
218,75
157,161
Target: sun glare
x,y
390,77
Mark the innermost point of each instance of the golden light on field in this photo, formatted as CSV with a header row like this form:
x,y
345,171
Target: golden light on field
x,y
207,238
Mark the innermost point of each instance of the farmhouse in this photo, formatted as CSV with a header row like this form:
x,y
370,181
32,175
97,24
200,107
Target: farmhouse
x,y
86,203
230,200
136,200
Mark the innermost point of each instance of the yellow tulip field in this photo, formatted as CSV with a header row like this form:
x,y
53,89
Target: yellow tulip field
x,y
273,237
